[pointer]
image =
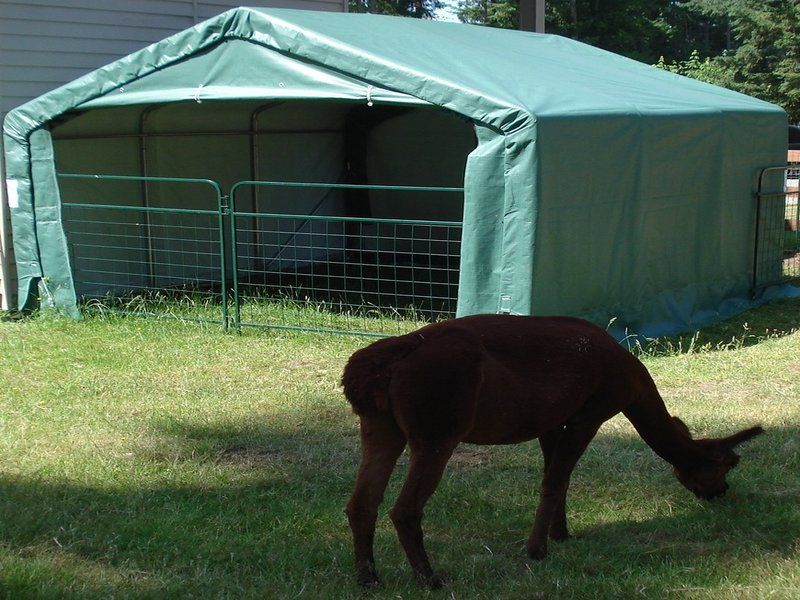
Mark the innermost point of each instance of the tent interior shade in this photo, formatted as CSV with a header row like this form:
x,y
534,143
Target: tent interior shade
x,y
318,141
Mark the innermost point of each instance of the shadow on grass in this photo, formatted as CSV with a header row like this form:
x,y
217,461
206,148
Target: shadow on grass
x,y
325,433
243,515
11,316
280,531
774,320
755,517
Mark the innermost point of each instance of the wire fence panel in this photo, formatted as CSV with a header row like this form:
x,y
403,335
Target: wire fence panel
x,y
777,248
127,257
166,246
132,249
333,273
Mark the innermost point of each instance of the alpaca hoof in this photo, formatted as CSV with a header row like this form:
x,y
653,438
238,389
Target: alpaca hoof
x,y
367,577
537,552
369,583
434,582
430,579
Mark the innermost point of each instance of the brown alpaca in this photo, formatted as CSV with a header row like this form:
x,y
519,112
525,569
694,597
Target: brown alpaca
x,y
500,379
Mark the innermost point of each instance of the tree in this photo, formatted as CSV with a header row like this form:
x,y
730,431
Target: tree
x,y
764,57
635,28
787,68
751,46
638,29
492,13
421,9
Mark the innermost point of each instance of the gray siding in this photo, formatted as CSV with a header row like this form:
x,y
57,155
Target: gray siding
x,y
46,43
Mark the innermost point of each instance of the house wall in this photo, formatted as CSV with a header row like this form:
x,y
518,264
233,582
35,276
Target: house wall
x,y
46,43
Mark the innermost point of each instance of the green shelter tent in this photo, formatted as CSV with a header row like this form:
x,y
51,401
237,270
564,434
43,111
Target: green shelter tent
x,y
594,185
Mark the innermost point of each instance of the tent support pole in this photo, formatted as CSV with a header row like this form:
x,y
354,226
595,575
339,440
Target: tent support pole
x,y
254,172
151,258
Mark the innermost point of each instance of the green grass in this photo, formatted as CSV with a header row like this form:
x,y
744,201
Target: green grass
x,y
148,458
263,311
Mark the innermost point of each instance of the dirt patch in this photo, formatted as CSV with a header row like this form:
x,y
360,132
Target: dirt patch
x,y
243,455
469,457
301,363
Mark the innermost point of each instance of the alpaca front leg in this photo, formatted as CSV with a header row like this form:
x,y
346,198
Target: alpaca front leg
x,y
425,470
549,499
382,442
565,455
558,525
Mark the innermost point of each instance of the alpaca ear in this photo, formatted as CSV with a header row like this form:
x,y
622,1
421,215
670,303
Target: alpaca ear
x,y
682,426
730,442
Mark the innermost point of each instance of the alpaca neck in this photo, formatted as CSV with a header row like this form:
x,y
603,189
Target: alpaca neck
x,y
654,424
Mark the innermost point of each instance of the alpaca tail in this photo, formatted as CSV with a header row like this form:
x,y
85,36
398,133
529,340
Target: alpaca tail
x,y
366,376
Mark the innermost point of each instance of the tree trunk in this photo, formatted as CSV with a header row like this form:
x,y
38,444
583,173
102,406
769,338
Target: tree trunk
x,y
728,34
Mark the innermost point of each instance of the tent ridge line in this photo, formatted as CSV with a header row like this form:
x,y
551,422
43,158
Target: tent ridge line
x,y
290,50
227,24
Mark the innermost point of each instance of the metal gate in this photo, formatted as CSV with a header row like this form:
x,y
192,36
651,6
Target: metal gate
x,y
232,262
777,240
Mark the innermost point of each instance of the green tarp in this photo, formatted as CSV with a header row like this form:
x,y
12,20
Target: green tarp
x,y
600,186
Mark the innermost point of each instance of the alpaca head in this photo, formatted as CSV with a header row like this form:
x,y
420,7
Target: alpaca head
x,y
706,478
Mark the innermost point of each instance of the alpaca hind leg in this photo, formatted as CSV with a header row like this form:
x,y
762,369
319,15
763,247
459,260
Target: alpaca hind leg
x,y
565,456
558,526
382,442
424,473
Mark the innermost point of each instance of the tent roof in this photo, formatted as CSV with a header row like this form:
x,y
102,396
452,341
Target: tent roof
x,y
505,79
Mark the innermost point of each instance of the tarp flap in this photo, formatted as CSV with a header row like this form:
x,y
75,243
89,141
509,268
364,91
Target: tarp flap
x,y
57,279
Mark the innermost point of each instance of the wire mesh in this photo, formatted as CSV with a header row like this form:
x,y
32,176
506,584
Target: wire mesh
x,y
777,252
129,257
335,273
307,271
170,264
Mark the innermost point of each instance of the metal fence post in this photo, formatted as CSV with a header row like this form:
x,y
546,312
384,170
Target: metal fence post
x,y
222,206
772,218
234,258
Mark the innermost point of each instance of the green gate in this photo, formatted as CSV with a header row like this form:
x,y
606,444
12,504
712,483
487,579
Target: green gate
x,y
131,251
231,261
777,241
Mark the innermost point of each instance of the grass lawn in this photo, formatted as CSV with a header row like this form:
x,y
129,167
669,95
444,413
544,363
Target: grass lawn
x,y
150,459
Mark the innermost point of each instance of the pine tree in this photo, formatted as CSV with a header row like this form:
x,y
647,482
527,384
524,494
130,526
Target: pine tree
x,y
421,9
765,60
